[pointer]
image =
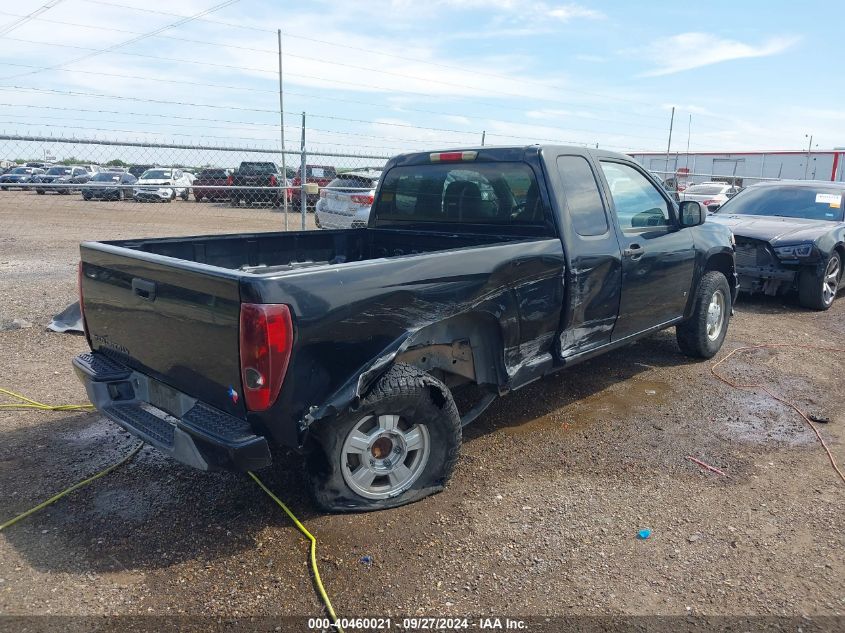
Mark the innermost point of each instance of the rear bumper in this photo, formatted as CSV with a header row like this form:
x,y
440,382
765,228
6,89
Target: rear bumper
x,y
190,431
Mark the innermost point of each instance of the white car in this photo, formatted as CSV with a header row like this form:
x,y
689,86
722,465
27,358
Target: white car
x,y
162,183
345,202
711,195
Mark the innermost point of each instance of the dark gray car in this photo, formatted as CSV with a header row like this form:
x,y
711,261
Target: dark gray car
x,y
790,236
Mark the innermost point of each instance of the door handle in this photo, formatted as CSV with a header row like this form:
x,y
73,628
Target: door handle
x,y
634,251
144,289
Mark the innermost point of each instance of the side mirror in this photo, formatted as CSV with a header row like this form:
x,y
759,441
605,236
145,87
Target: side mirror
x,y
691,213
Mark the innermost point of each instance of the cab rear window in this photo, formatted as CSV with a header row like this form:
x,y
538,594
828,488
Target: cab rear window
x,y
461,193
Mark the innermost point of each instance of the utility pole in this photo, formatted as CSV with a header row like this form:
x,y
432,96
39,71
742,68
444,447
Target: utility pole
x,y
669,145
483,135
303,175
689,133
282,133
809,149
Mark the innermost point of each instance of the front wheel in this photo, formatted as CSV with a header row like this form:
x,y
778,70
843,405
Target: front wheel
x,y
702,335
186,194
399,446
817,287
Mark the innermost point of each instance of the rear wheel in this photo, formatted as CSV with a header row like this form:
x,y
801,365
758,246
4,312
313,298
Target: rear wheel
x,y
817,287
40,192
702,335
185,194
399,446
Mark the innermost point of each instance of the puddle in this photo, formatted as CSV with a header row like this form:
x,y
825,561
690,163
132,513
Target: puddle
x,y
757,419
618,401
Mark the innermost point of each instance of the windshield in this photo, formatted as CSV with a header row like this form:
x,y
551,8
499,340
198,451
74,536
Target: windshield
x,y
156,174
105,176
811,203
21,170
258,168
705,190
482,193
352,183
58,171
213,173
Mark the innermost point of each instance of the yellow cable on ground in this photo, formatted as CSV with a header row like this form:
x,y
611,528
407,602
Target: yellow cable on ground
x,y
29,403
75,486
310,537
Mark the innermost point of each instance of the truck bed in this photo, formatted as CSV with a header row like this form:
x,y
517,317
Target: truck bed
x,y
262,253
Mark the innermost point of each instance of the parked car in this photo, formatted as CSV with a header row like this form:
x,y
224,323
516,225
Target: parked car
x,y
138,170
109,185
480,270
210,184
62,179
346,201
38,165
790,236
320,175
263,180
19,177
162,183
710,194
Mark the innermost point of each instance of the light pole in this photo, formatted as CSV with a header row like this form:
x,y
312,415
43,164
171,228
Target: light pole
x,y
809,149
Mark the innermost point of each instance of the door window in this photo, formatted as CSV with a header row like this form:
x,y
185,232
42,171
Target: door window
x,y
586,210
639,205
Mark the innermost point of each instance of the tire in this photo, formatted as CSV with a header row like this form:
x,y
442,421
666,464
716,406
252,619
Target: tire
x,y
234,202
197,198
702,335
185,194
817,287
406,405
86,196
40,192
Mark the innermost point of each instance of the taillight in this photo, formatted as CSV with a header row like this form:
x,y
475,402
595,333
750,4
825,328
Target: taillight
x,y
707,203
229,180
273,180
363,199
266,337
79,275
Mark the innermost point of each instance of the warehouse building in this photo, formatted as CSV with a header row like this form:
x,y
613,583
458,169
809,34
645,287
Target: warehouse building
x,y
744,168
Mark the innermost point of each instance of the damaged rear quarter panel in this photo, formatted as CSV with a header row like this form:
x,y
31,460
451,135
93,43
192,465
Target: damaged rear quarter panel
x,y
352,320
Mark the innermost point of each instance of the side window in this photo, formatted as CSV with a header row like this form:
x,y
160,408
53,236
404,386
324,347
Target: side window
x,y
582,196
639,205
177,174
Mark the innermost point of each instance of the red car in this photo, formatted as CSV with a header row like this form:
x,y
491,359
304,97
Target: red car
x,y
321,175
210,184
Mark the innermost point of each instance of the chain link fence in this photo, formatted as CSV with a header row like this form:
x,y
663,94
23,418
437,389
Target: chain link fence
x,y
129,184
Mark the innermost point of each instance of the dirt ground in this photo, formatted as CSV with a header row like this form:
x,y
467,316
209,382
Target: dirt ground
x,y
541,518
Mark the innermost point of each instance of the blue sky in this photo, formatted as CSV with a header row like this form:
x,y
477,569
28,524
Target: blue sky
x,y
383,77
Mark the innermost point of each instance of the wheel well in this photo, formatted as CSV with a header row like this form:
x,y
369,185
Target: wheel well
x,y
465,348
723,263
840,248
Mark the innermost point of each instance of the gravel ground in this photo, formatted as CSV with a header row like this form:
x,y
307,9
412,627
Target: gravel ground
x,y
541,518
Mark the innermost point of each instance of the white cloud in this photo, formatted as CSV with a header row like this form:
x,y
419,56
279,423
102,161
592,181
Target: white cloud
x,y
686,51
595,59
571,11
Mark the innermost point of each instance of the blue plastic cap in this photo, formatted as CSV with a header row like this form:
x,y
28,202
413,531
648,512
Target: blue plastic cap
x,y
644,534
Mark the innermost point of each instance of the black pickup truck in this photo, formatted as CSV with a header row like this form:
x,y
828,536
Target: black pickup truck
x,y
480,271
256,182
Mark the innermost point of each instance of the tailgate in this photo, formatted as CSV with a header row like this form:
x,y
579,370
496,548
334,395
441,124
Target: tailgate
x,y
174,320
